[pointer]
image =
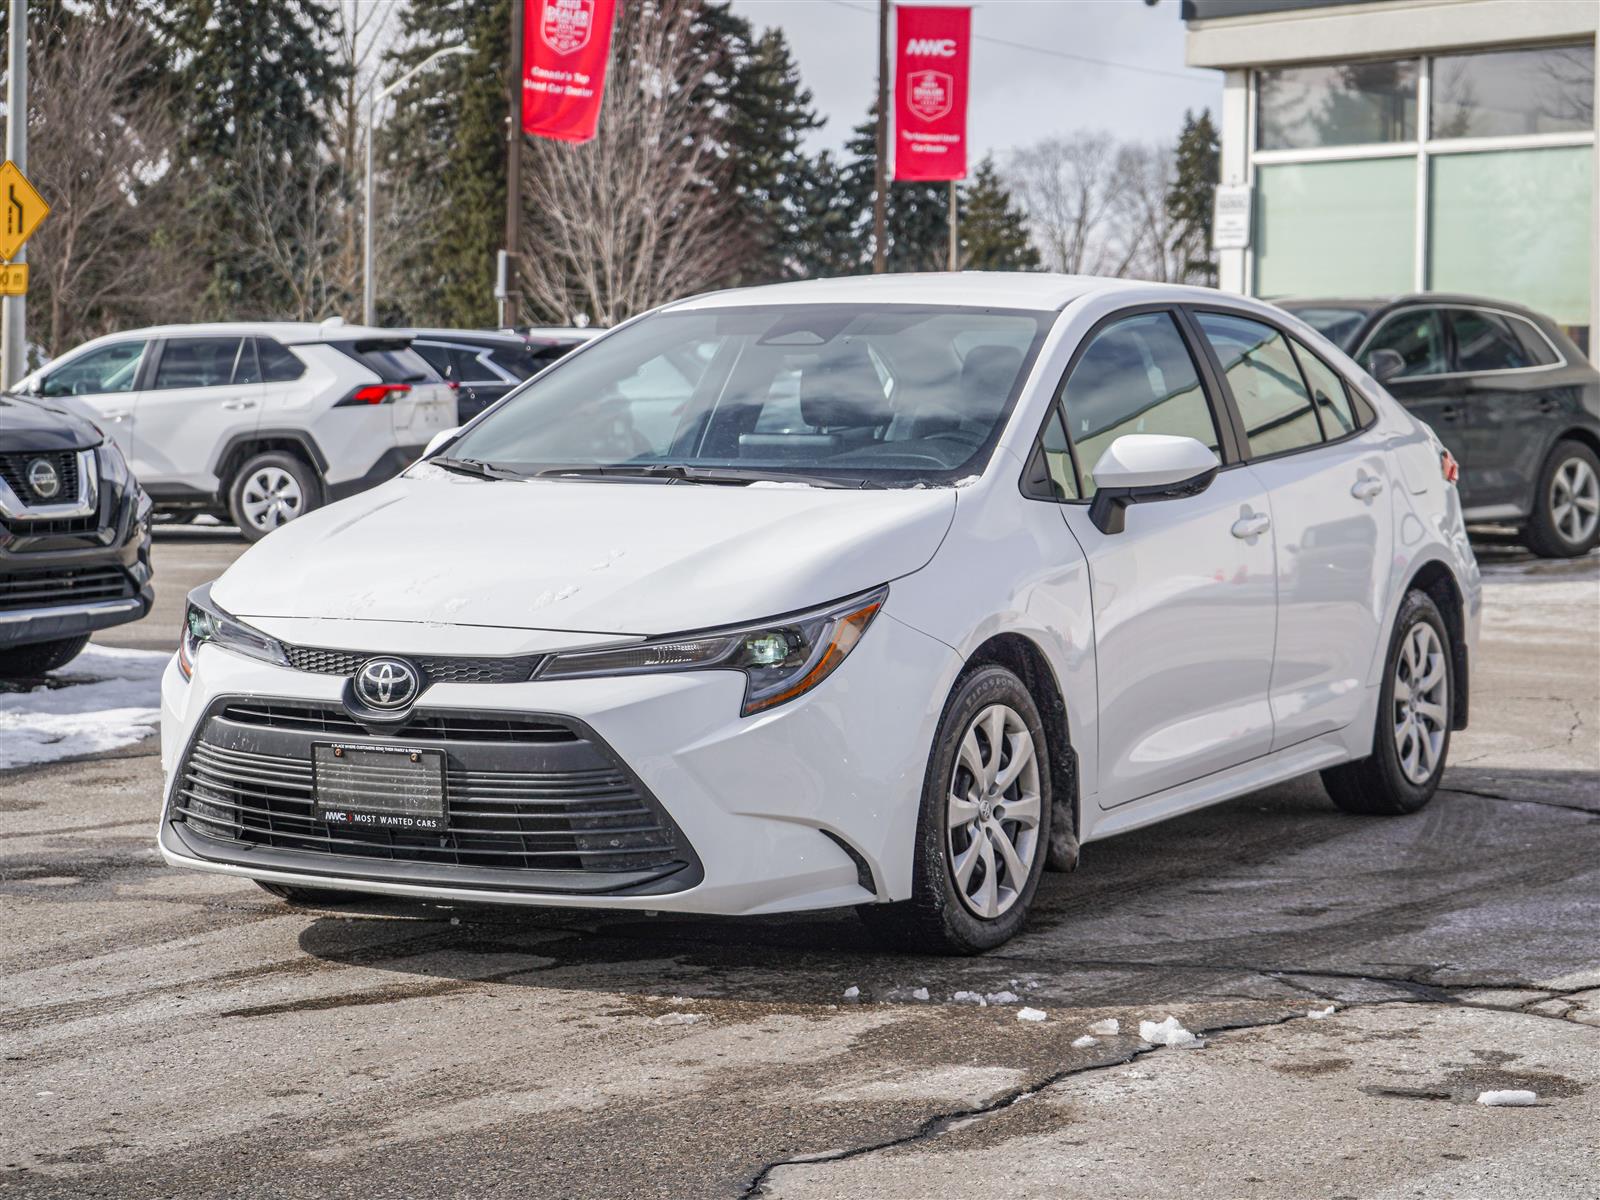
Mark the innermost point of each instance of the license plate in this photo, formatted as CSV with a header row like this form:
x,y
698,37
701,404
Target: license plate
x,y
378,787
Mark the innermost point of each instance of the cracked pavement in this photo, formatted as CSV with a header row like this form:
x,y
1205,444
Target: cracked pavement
x,y
174,1034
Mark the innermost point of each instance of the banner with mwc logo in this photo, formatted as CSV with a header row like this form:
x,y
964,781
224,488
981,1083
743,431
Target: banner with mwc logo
x,y
566,45
930,94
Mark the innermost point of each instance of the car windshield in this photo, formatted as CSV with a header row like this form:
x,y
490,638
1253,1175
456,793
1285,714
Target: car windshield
x,y
859,395
1338,325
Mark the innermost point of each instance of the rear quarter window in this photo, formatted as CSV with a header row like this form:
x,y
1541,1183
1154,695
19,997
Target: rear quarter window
x,y
391,360
279,364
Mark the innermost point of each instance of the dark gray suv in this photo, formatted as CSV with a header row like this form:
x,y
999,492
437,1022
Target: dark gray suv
x,y
1507,392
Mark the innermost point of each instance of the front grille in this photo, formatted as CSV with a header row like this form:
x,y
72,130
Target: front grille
x,y
14,470
435,668
45,589
517,798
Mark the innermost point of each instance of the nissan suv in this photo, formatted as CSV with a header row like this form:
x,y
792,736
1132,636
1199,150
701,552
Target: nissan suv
x,y
256,423
74,537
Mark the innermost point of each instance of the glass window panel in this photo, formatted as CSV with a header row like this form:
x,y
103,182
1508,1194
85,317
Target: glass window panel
x,y
1510,92
1516,225
111,368
1137,376
1328,391
278,363
1265,382
1417,336
1485,342
1534,344
196,362
1336,228
1058,458
1336,324
1341,104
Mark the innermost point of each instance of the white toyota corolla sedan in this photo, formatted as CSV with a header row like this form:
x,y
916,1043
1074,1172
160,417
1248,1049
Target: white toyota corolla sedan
x,y
884,592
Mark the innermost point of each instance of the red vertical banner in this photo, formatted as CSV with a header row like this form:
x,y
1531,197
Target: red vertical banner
x,y
566,46
930,92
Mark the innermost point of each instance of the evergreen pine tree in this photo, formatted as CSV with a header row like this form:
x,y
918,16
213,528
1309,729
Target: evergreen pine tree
x,y
917,215
1189,203
994,234
826,241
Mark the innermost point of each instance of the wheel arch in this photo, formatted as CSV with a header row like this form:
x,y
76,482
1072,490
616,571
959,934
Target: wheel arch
x,y
244,446
1023,657
1438,582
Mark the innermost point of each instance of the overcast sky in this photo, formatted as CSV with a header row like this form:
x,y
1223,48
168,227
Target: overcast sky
x,y
1022,92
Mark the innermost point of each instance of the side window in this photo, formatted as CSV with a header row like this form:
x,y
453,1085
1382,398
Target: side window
x,y
1485,342
1417,336
1328,392
438,357
1534,343
196,362
1058,458
1137,376
112,368
247,368
278,362
1265,383
469,368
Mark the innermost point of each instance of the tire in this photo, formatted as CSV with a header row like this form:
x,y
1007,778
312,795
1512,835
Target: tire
x,y
1566,507
312,897
945,916
30,662
270,490
1389,782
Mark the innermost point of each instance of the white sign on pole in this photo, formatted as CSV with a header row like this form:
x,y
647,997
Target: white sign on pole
x,y
1230,219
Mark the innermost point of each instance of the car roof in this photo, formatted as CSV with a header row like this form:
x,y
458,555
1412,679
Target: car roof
x,y
967,289
1372,304
287,332
481,337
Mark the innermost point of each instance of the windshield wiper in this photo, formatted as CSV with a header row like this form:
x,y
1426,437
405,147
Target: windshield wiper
x,y
474,467
683,473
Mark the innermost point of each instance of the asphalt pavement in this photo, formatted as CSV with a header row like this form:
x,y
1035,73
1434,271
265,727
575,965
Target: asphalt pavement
x,y
172,1034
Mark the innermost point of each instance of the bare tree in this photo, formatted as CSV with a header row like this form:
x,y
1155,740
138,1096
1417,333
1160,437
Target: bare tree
x,y
639,215
1068,186
1146,231
365,29
103,144
297,217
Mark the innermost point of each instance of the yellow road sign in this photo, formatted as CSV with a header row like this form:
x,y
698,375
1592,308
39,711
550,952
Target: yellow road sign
x,y
21,210
14,279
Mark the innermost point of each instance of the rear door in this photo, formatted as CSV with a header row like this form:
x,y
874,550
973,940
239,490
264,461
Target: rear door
x,y
1183,597
100,384
197,398
1427,385
1331,499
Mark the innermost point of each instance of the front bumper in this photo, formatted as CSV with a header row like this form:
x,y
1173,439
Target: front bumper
x,y
811,805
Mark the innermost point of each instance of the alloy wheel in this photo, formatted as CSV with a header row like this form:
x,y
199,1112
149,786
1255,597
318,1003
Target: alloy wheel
x,y
1575,500
271,497
993,810
1421,703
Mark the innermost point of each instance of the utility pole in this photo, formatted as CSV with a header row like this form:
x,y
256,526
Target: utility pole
x,y
508,303
881,180
955,235
14,332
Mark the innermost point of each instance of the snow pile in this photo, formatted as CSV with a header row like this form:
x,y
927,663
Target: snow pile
x,y
1106,1028
970,998
1030,1014
1084,1042
852,993
1322,1014
679,1018
920,994
1002,997
104,700
1510,1099
1167,1033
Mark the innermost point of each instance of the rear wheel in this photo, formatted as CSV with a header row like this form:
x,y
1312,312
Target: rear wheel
x,y
30,662
311,897
1566,510
984,828
1415,708
270,490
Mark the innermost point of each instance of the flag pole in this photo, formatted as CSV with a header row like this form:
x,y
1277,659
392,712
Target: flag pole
x,y
955,236
508,303
881,176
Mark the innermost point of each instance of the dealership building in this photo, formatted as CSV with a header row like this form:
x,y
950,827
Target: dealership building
x,y
1393,146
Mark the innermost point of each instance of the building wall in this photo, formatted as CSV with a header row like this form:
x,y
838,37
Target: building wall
x,y
1513,214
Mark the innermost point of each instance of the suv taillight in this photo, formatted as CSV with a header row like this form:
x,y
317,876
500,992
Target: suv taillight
x,y
1448,467
374,393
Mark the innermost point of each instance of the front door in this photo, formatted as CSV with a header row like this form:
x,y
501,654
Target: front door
x,y
99,383
1426,385
1183,597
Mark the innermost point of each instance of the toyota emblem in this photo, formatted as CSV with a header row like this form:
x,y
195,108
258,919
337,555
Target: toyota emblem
x,y
387,683
44,479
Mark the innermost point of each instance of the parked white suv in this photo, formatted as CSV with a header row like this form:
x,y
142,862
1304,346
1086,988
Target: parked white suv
x,y
878,592
258,423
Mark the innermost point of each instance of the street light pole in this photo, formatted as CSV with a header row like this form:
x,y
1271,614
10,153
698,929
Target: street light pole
x,y
14,330
368,287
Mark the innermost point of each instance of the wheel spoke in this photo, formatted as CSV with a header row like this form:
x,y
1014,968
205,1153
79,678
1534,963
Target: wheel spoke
x,y
1016,873
1021,759
967,860
1431,712
994,728
971,756
988,895
962,811
1402,690
1024,810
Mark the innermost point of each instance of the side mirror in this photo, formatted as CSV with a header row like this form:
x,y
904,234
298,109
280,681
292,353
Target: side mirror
x,y
1384,365
1140,467
439,439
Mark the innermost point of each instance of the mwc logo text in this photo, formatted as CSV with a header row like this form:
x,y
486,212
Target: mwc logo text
x,y
932,47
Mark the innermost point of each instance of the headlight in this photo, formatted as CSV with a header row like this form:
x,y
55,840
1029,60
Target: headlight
x,y
113,467
204,622
781,659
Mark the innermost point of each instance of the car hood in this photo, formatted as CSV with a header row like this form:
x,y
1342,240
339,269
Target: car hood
x,y
605,558
31,425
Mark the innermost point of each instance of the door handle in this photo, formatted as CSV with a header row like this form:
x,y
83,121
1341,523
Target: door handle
x,y
236,405
1252,526
1449,412
1366,487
